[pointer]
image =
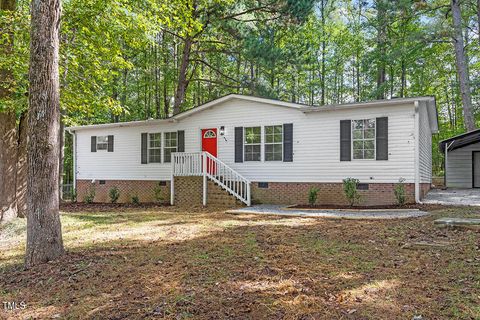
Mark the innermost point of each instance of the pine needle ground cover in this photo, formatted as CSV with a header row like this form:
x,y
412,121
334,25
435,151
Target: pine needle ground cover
x,y
161,262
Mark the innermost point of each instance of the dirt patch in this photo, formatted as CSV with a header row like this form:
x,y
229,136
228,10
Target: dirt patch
x,y
176,264
108,207
423,207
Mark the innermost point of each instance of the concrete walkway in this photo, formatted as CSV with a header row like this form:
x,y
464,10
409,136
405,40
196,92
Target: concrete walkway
x,y
344,214
453,197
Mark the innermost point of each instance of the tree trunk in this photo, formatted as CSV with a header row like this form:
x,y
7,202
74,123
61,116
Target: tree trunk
x,y
462,67
21,179
182,84
44,232
8,146
403,79
478,20
381,43
324,44
158,108
6,48
8,158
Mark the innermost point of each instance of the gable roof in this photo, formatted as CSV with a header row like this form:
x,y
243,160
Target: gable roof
x,y
430,102
460,141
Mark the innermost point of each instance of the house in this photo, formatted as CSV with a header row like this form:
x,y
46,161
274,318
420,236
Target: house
x,y
462,160
261,150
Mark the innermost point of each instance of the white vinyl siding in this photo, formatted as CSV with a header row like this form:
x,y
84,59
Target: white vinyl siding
x,y
425,148
316,149
459,166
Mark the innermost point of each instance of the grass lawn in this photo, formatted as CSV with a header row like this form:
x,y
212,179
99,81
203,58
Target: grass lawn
x,y
138,263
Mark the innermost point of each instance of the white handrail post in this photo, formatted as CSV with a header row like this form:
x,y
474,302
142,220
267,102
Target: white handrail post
x,y
172,178
204,164
249,200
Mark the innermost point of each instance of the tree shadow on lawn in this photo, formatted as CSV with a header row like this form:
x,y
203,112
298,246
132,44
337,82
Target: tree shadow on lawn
x,y
258,268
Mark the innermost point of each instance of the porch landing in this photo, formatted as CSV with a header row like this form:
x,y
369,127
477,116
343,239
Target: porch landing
x,y
343,214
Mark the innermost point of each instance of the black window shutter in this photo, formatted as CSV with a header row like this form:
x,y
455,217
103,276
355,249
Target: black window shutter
x,y
382,138
93,144
345,140
144,148
288,142
110,144
238,144
181,141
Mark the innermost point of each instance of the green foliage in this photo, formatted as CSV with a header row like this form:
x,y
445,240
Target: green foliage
x,y
120,60
399,192
114,194
312,195
89,197
135,199
350,190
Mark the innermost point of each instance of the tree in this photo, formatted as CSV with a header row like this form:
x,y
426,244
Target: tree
x,y
462,66
8,207
44,234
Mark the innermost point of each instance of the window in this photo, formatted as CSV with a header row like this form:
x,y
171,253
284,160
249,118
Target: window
x,y
170,145
102,142
253,140
363,138
274,143
209,134
154,147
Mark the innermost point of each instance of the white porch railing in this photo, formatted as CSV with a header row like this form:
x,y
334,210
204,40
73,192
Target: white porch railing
x,y
187,164
208,166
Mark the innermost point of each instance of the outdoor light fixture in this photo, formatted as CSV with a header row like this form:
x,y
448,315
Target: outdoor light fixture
x,y
222,131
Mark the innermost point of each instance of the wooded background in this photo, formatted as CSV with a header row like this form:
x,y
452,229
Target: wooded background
x,y
123,60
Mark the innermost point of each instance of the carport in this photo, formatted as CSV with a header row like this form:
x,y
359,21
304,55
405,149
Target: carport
x,y
462,160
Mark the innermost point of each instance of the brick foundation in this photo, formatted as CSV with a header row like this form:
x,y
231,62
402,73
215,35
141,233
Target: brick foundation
x,y
330,193
424,188
144,189
189,192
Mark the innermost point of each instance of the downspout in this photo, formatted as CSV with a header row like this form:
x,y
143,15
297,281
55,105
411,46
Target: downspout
x,y
417,153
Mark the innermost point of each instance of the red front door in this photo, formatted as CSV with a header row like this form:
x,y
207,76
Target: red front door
x,y
209,141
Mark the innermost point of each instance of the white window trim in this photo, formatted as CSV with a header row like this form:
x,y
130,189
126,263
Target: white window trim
x,y
253,144
271,143
164,146
97,143
374,140
149,148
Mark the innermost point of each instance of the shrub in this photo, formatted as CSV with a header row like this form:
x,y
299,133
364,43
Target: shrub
x,y
350,190
135,199
114,194
312,195
158,193
399,192
90,195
